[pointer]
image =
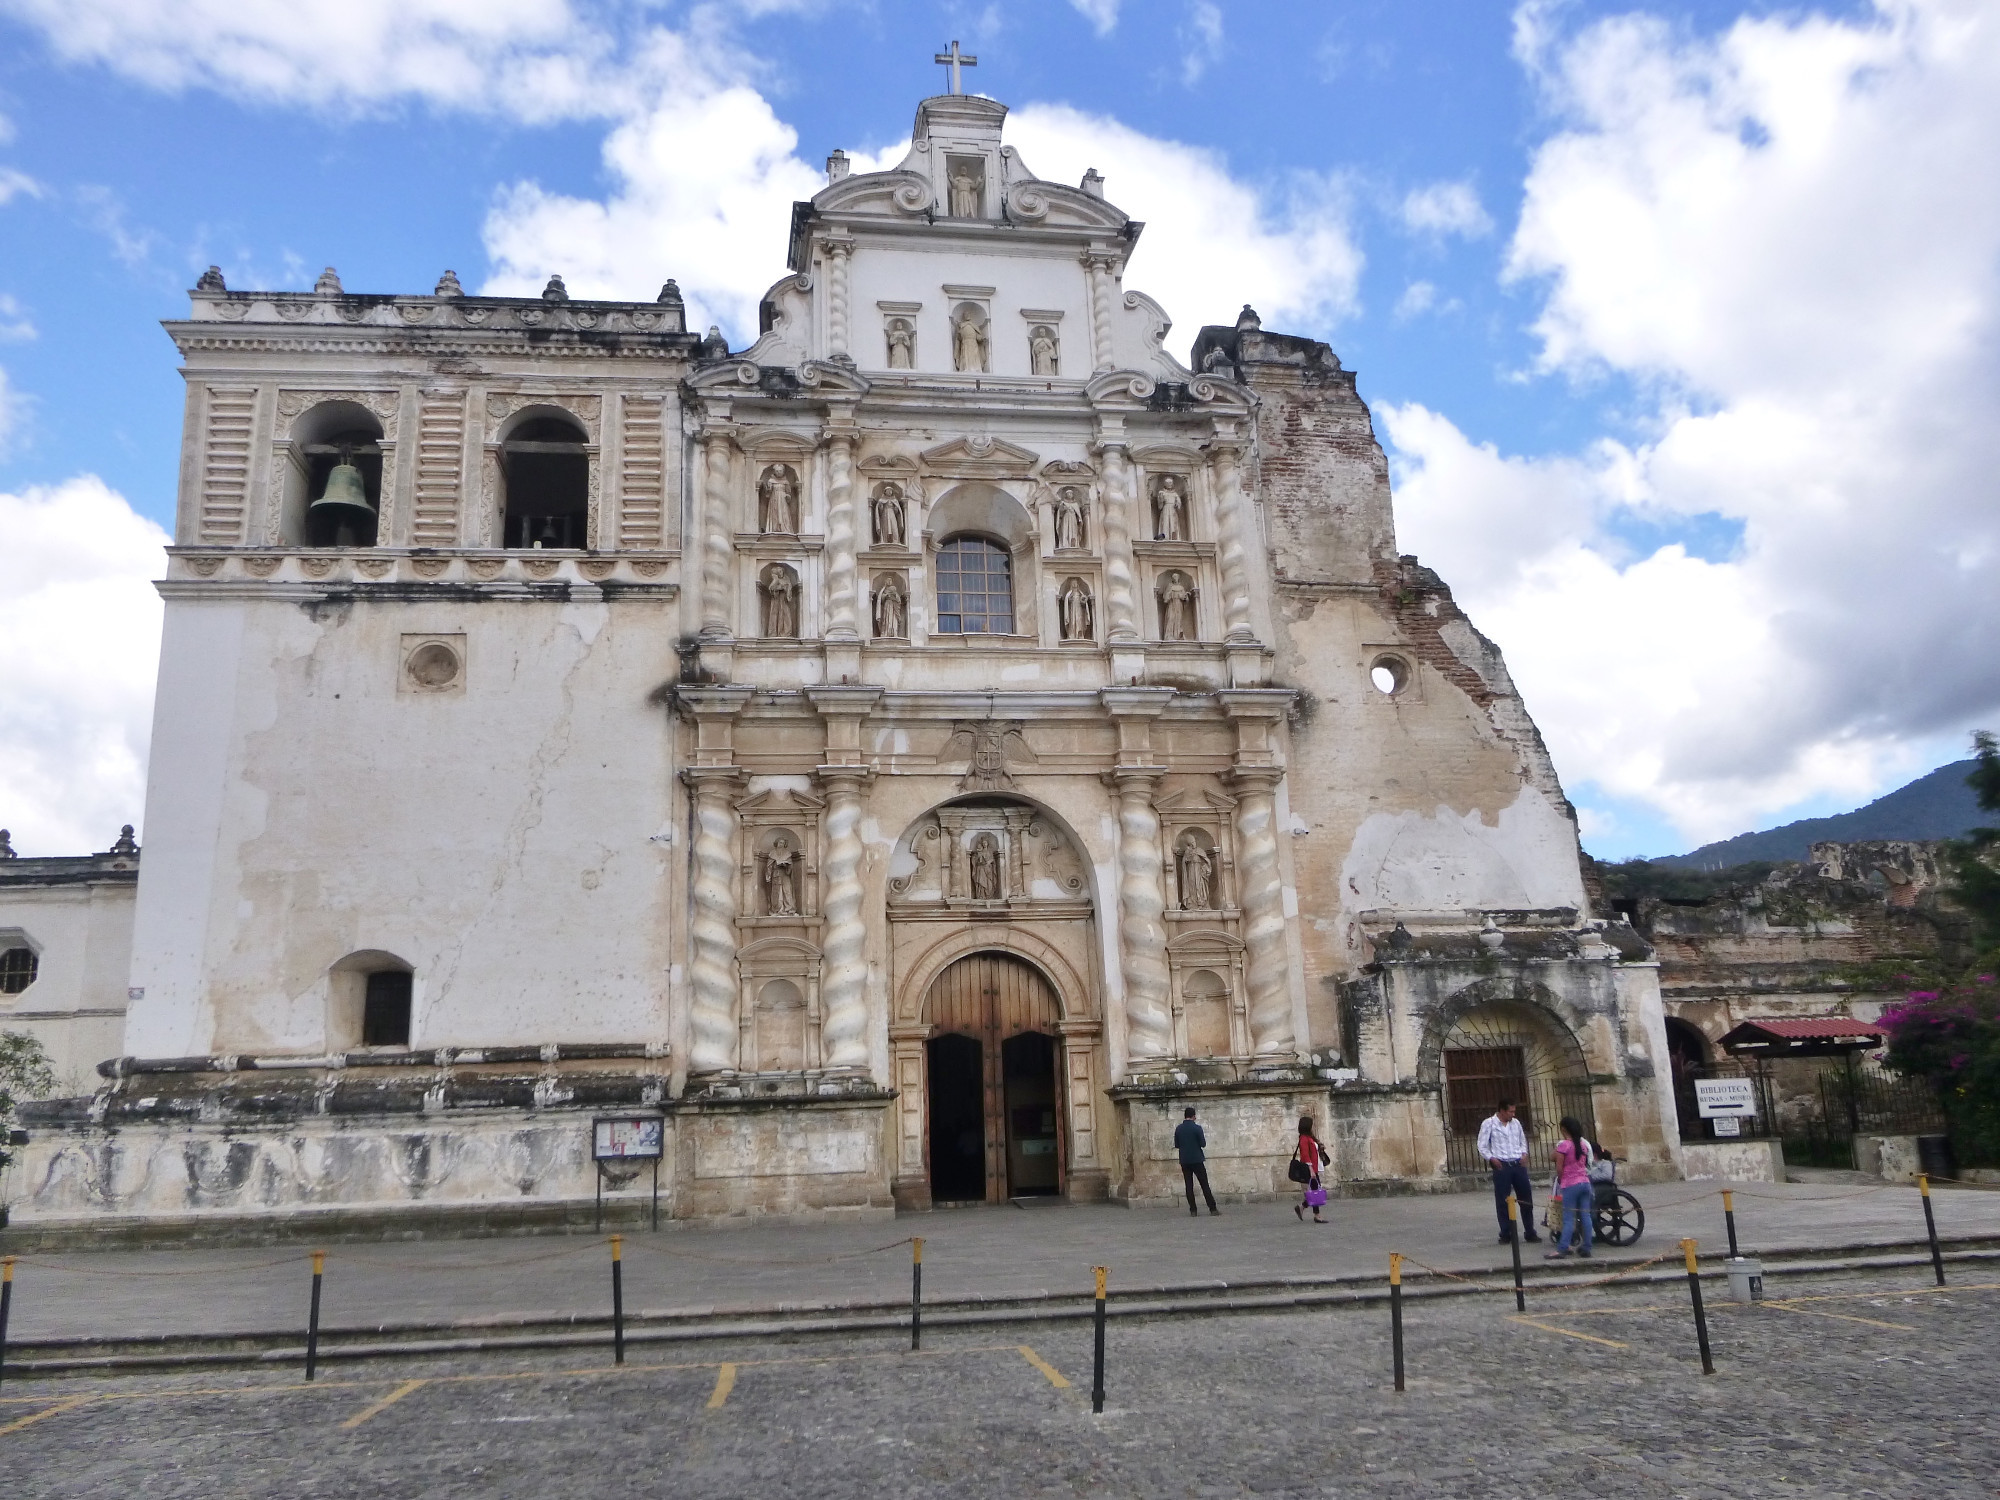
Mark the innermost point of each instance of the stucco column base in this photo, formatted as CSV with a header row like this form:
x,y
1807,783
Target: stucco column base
x,y
1249,664
843,662
718,658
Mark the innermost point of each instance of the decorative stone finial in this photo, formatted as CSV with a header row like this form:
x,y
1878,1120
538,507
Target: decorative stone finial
x,y
211,281
837,166
671,292
7,845
1093,183
448,286
125,843
1490,936
328,284
1248,319
555,291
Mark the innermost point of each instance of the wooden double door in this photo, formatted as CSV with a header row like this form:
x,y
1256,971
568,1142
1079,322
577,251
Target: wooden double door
x,y
995,1112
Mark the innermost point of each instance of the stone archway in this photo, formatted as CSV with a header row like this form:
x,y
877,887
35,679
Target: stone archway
x,y
997,881
1485,1049
993,1097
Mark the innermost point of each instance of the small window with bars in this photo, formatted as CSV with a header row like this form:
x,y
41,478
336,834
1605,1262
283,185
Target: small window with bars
x,y
975,588
18,967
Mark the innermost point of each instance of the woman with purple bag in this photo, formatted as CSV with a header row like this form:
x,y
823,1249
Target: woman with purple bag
x,y
1305,1168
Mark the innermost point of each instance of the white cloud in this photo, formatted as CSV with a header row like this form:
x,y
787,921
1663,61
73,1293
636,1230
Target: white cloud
x,y
13,406
1102,14
14,322
1201,40
1771,231
1421,297
82,626
15,183
1441,209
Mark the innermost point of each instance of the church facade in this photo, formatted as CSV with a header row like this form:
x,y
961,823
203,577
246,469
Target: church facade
x,y
911,757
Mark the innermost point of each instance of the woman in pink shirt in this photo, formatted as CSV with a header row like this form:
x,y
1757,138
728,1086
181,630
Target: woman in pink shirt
x,y
1573,1187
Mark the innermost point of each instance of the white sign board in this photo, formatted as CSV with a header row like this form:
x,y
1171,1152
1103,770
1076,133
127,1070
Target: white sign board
x,y
1721,1098
625,1140
1725,1125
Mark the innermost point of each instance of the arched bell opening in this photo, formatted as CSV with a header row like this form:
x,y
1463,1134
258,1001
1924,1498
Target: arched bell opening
x,y
545,472
333,478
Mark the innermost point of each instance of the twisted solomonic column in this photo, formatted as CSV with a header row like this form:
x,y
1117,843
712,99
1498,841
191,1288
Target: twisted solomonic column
x,y
843,985
1115,521
1234,509
712,925
1271,1033
718,541
1098,265
837,253
842,613
1142,909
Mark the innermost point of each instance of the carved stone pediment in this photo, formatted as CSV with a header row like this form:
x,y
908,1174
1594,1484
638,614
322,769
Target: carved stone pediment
x,y
988,745
999,854
1195,801
980,458
888,465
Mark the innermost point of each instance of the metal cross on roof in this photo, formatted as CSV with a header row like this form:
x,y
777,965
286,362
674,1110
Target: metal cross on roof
x,y
955,60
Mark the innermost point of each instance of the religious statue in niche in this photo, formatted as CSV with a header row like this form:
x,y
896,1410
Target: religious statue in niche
x,y
983,860
968,339
891,609
1071,534
1169,509
778,501
1042,352
887,512
1076,608
1197,872
780,589
778,875
965,189
902,344
1176,607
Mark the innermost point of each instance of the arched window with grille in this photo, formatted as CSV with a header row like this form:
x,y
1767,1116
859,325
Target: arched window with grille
x,y
975,587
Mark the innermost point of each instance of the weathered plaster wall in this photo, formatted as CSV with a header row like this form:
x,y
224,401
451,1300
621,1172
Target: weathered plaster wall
x,y
78,921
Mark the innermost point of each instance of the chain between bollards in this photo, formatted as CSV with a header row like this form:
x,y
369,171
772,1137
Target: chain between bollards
x,y
1700,1317
618,1299
1396,1313
6,1305
1515,1228
1930,1227
1729,1218
312,1323
1097,1359
916,1294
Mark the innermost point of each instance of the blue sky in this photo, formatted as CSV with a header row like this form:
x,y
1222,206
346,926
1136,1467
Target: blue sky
x,y
1599,268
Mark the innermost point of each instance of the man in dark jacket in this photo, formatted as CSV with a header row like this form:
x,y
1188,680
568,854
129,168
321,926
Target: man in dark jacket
x,y
1190,1141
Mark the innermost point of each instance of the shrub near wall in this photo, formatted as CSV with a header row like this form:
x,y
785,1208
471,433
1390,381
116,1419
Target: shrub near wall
x,y
1950,1037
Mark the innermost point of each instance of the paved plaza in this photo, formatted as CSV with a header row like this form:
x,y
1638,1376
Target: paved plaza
x,y
1865,1386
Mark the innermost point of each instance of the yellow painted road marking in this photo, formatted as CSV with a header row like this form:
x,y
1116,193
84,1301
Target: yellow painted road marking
x,y
1815,1312
1055,1375
725,1382
383,1405
1588,1338
52,1411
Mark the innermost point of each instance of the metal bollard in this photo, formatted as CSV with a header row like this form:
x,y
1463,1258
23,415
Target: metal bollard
x,y
6,1305
312,1323
1930,1227
1097,1359
1700,1317
1514,1224
917,1294
618,1299
1729,1218
1396,1313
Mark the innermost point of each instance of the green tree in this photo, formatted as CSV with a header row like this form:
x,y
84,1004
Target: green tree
x,y
1974,860
24,1074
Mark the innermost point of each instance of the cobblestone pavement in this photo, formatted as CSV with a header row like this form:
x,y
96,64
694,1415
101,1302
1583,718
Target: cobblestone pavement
x,y
968,1252
1876,1386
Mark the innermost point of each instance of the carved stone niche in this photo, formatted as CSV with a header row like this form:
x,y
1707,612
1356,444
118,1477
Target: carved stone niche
x,y
1211,1011
778,1013
1195,828
780,845
987,855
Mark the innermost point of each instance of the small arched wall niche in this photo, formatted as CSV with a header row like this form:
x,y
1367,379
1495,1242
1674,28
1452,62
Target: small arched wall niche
x,y
545,482
322,438
989,578
371,1001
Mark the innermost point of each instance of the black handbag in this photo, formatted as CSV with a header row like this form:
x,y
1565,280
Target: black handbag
x,y
1298,1171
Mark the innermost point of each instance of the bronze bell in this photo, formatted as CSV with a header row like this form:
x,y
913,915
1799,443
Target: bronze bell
x,y
342,515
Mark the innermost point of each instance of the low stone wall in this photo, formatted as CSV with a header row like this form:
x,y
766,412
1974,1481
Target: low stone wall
x,y
1252,1130
1733,1161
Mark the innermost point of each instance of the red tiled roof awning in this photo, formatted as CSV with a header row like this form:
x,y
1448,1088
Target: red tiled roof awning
x,y
1806,1036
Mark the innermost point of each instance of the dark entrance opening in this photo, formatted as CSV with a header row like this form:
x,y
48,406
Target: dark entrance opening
x,y
1687,1056
1028,1062
547,468
958,1118
385,1010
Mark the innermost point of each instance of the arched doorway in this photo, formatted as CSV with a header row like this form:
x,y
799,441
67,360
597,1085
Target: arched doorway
x,y
1510,1050
1687,1055
990,1082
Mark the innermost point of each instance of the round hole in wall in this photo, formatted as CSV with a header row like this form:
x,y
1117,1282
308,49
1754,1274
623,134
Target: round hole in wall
x,y
433,665
1390,674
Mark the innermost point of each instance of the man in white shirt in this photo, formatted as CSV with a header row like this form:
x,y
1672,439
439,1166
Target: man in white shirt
x,y
1504,1144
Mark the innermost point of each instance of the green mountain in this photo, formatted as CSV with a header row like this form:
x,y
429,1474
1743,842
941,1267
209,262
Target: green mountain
x,y
1937,806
